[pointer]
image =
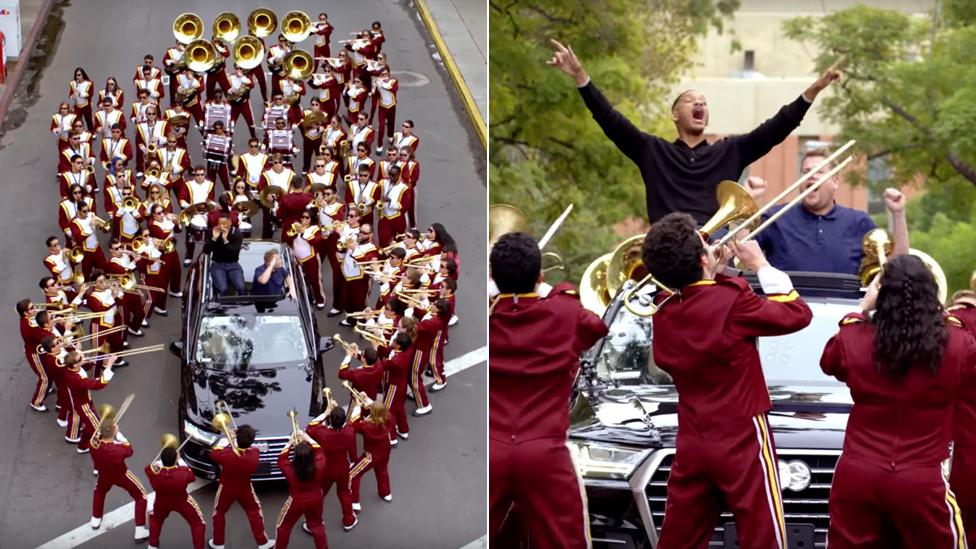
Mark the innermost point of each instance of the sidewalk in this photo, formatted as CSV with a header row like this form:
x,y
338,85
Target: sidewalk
x,y
30,10
462,26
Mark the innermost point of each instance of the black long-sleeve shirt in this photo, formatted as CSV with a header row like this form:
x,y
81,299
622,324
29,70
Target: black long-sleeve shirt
x,y
679,178
224,251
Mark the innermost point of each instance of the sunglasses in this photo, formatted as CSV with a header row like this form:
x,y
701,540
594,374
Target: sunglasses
x,y
171,142
320,165
277,162
199,174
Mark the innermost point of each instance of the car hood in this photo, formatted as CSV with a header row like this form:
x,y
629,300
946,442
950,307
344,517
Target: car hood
x,y
259,397
804,415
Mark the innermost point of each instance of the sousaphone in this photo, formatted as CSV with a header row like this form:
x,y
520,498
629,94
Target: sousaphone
x,y
262,22
187,27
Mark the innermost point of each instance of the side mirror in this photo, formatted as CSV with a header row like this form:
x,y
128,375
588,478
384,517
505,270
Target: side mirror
x,y
176,348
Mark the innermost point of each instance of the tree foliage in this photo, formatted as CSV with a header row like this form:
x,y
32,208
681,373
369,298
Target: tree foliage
x,y
909,98
545,149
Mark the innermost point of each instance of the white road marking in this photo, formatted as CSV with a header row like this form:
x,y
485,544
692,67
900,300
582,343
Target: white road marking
x,y
126,513
110,521
479,543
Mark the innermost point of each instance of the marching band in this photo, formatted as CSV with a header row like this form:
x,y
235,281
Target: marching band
x,y
326,209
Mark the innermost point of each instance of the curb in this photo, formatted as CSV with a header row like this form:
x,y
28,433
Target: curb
x,y
14,81
469,104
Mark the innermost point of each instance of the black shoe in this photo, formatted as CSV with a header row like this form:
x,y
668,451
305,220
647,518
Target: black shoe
x,y
345,322
120,364
427,373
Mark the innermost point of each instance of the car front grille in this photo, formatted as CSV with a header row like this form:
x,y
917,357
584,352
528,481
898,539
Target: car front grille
x,y
808,506
268,462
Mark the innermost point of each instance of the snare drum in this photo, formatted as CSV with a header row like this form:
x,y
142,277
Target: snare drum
x,y
199,222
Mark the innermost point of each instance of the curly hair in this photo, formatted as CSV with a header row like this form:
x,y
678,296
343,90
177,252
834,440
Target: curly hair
x,y
911,329
672,250
515,262
304,461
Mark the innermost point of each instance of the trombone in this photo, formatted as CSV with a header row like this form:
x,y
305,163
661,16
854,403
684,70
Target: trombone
x,y
95,335
364,314
369,336
131,352
220,422
107,412
168,440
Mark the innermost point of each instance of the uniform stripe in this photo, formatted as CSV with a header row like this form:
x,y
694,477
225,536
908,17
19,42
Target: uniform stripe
x,y
433,356
258,503
770,484
135,480
792,296
390,395
776,489
582,490
193,503
955,517
361,465
220,488
284,510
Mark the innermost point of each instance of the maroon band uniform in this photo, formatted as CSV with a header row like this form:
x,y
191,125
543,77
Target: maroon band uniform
x,y
534,347
725,449
79,387
235,486
339,446
304,499
172,497
890,474
109,459
963,476
376,456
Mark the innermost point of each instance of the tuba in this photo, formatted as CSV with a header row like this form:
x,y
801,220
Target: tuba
x,y
201,56
296,26
248,52
262,22
187,27
227,26
298,65
593,286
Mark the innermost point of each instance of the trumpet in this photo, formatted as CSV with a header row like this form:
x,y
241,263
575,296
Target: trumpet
x,y
334,226
380,275
101,224
168,440
409,299
369,336
372,262
151,150
362,398
346,345
365,314
295,429
76,255
420,262
295,229
391,247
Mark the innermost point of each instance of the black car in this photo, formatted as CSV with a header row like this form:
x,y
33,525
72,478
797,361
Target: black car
x,y
624,422
259,354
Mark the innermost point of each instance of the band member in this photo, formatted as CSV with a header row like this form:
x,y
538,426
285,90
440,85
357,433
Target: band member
x,y
189,86
360,50
68,210
218,73
675,252
356,96
217,150
135,306
252,164
276,55
106,298
61,124
375,67
891,476
173,61
79,386
137,112
238,195
361,159
335,136
293,90
197,190
224,209
217,109
410,174
280,177
239,95
331,213
169,477
395,200
80,92
533,347
963,472
383,166
82,174
326,88
78,127
682,175
323,32
384,100
342,69
116,178
109,451
156,193
256,74
162,227
32,334
325,171
177,122
139,76
83,234
823,236
175,161
362,193
126,220
292,206
57,262
354,251
236,468
281,141
338,442
113,92
406,137
52,359
305,473
150,135
155,273
367,377
107,118
312,124
377,37
396,368
376,453
115,146
429,342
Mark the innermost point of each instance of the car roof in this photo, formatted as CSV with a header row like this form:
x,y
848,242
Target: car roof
x,y
251,257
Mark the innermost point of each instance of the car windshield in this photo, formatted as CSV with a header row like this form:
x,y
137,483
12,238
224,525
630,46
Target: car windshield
x,y
795,358
244,341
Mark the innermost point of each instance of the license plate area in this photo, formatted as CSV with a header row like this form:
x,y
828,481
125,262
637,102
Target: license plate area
x,y
798,536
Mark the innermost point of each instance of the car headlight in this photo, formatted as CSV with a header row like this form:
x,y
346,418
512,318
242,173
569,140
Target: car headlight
x,y
598,460
199,435
794,475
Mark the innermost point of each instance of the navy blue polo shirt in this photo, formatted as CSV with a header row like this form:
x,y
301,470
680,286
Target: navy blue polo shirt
x,y
275,284
803,241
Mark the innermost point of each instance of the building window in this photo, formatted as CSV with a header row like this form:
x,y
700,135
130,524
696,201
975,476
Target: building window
x,y
749,63
879,175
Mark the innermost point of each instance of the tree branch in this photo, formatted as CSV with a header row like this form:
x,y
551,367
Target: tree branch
x,y
962,167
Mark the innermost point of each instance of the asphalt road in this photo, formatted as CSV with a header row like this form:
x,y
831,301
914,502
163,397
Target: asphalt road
x,y
438,476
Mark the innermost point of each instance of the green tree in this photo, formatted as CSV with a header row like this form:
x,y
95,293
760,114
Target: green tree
x,y
546,151
909,98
